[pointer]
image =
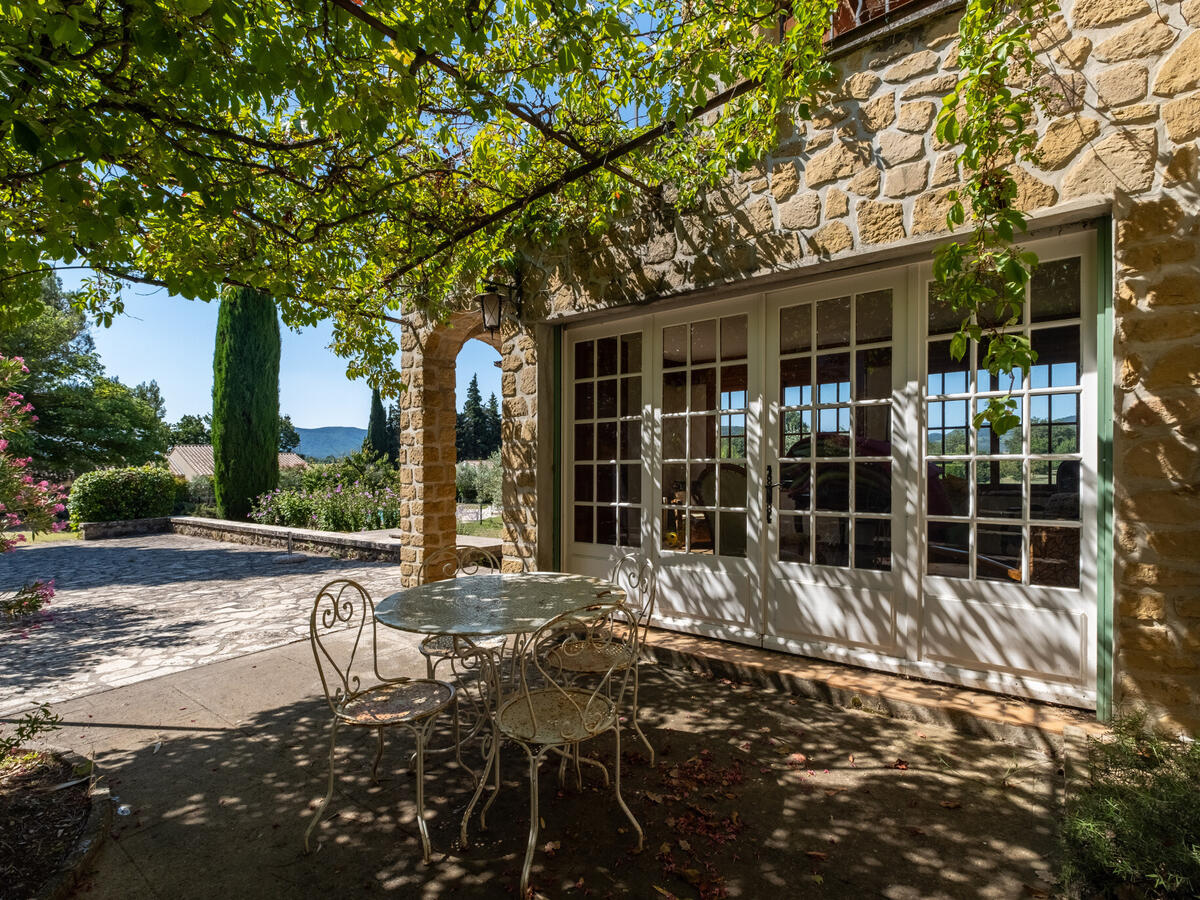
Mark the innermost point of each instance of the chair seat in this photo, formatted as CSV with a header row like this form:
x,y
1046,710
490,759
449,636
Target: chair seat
x,y
442,645
391,704
561,716
591,656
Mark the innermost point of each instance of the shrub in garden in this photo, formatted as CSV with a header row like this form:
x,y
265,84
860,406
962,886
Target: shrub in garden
x,y
351,507
1134,827
110,495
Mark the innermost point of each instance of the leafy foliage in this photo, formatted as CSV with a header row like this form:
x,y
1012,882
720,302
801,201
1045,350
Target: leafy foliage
x,y
289,437
37,721
352,160
245,425
985,276
479,482
343,507
112,495
87,420
1136,824
192,430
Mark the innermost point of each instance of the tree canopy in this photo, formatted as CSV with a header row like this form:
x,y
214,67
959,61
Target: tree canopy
x,y
356,160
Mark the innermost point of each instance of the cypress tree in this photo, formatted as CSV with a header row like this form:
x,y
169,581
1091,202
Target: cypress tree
x,y
376,441
472,424
245,420
493,424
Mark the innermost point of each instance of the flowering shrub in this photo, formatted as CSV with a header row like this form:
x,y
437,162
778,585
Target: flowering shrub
x,y
110,495
340,507
25,502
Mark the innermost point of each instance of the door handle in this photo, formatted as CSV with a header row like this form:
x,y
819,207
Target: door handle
x,y
768,497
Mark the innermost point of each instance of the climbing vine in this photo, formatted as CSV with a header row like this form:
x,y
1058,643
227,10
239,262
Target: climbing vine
x,y
984,275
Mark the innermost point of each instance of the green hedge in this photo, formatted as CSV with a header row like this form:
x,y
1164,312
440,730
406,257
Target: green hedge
x,y
111,495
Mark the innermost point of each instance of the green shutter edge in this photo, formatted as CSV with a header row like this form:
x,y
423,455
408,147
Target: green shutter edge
x,y
557,407
1104,504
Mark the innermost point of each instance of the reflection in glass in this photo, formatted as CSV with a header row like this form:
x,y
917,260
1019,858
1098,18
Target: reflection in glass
x,y
795,381
948,492
700,533
584,532
606,356
833,323
998,552
584,448
674,435
606,399
583,483
794,539
631,527
873,544
873,425
947,431
949,549
630,488
583,359
833,486
732,485
795,329
606,484
704,389
674,346
1054,290
606,525
795,488
873,375
583,400
942,317
702,439
606,440
946,374
704,341
833,378
631,396
733,387
1054,423
831,541
999,488
1057,357
674,531
1060,499
733,337
733,534
703,486
674,484
733,436
833,431
873,316
873,487
1054,556
631,353
992,444
1004,381
631,440
674,392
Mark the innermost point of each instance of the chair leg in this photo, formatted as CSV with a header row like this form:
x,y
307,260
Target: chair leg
x,y
534,761
328,791
617,781
420,734
482,783
634,716
495,788
378,757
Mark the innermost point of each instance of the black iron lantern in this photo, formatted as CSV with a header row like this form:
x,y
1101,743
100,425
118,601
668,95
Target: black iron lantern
x,y
496,300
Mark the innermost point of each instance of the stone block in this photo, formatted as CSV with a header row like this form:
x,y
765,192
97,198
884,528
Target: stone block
x,y
1173,507
1063,139
862,85
880,223
1181,71
1094,13
1176,368
837,204
1191,12
920,63
939,85
1182,118
945,171
1144,37
908,179
1154,255
1144,220
1161,326
1184,166
896,147
890,53
918,116
879,113
866,182
829,116
785,179
1148,607
1032,192
839,161
761,216
1118,85
833,238
1138,112
1122,161
1074,53
802,211
1064,92
929,212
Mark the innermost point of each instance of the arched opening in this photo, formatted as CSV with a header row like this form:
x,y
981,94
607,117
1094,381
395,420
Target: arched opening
x,y
478,471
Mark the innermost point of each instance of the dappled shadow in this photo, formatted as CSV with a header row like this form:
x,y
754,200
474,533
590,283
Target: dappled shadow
x,y
756,794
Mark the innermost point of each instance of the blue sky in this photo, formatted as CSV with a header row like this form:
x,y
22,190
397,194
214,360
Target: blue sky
x,y
171,341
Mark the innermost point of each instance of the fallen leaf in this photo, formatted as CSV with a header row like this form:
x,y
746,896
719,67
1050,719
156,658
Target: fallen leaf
x,y
685,846
900,764
551,847
654,798
664,893
816,854
835,791
950,804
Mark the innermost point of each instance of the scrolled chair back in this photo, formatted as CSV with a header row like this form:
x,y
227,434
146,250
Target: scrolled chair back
x,y
579,711
342,605
450,562
637,577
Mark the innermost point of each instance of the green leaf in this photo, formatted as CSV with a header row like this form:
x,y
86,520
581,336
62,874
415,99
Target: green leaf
x,y
26,138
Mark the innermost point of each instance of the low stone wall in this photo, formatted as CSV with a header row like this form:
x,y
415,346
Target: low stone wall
x,y
95,531
344,546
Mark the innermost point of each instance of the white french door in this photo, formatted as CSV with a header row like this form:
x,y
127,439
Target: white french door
x,y
803,467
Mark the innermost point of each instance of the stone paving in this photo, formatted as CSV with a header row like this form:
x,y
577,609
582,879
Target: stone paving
x,y
129,609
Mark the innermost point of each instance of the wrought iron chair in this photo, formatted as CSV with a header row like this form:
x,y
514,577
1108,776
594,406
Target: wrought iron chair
x,y
452,562
413,704
636,577
548,712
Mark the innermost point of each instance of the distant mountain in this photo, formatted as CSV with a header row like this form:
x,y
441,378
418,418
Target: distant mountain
x,y
333,440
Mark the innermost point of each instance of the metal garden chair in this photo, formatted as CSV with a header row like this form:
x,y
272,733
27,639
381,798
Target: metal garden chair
x,y
412,704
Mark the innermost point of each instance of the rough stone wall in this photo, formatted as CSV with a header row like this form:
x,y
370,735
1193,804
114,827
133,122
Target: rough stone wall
x,y
518,453
867,172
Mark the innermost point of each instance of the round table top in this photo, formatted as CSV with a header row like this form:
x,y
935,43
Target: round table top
x,y
491,604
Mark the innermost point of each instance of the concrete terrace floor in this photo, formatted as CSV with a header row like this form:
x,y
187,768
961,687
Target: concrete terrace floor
x,y
220,761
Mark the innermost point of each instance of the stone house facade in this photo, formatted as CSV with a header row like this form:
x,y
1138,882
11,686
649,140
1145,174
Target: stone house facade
x,y
757,392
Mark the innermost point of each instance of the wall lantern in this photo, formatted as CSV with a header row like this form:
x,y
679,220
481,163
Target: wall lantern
x,y
496,300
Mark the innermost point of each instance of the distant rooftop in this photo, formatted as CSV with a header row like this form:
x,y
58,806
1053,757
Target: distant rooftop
x,y
191,460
